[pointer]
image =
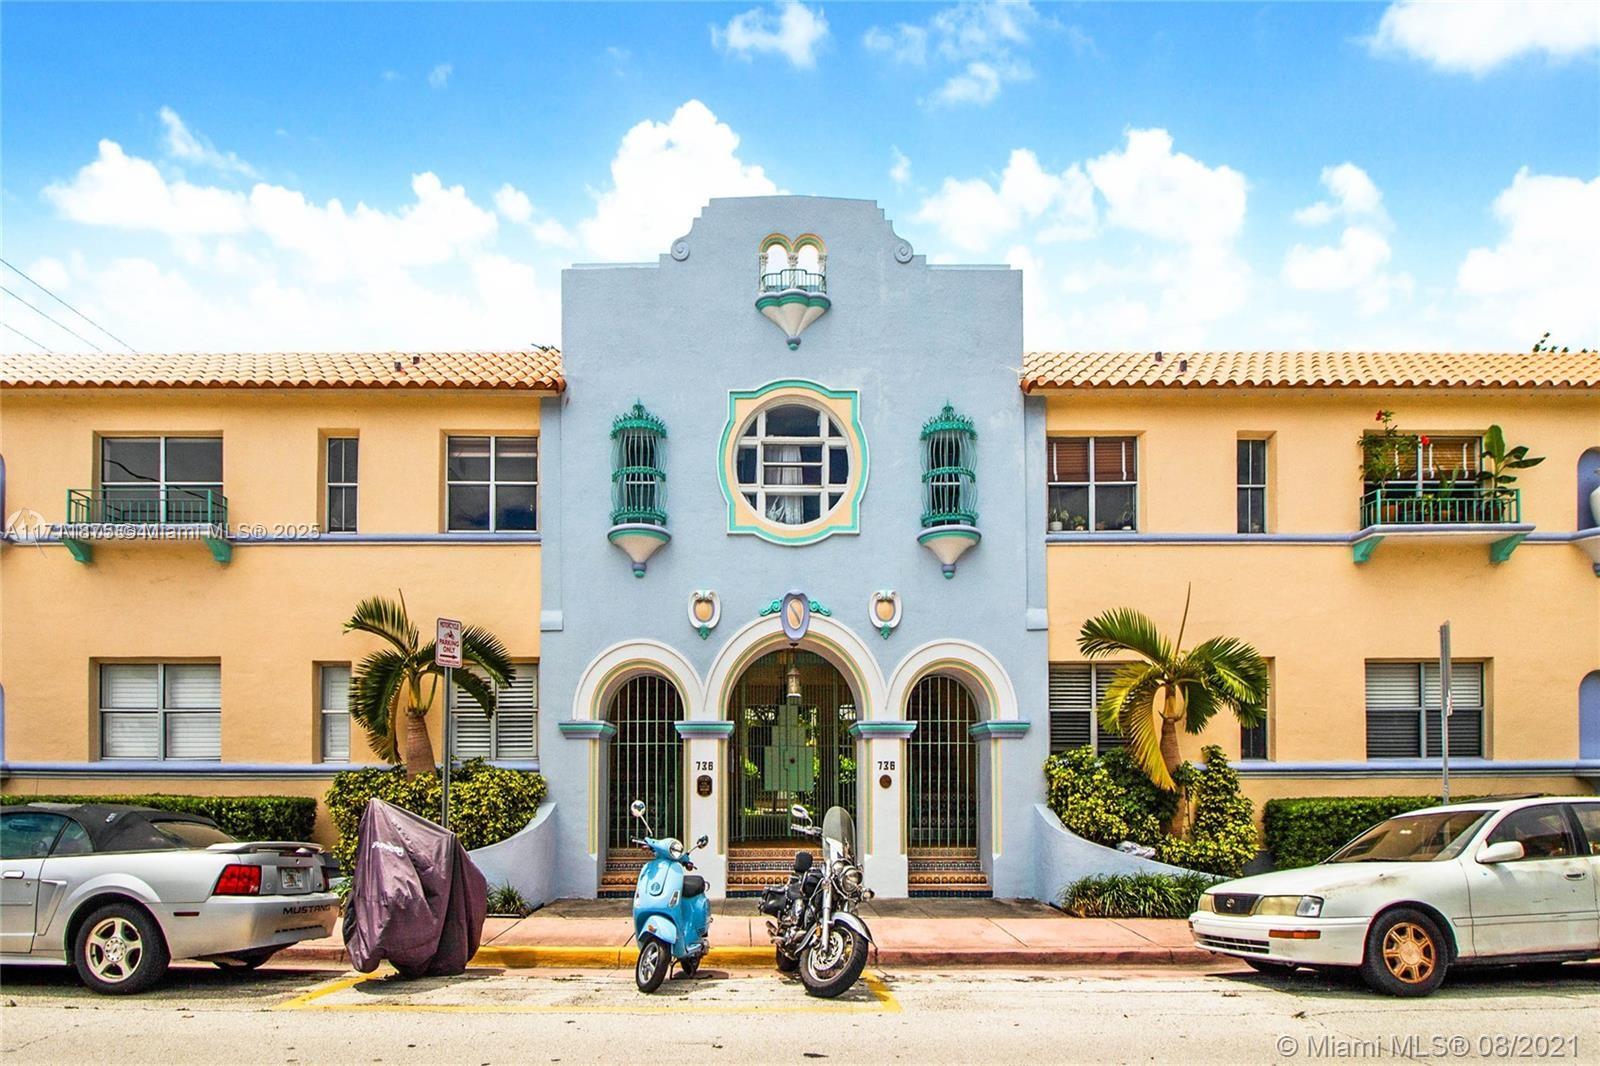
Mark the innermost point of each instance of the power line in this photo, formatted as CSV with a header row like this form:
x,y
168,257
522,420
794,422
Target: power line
x,y
24,336
52,321
69,307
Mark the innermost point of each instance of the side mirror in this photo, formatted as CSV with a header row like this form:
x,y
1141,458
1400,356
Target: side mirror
x,y
703,841
799,814
637,807
1505,851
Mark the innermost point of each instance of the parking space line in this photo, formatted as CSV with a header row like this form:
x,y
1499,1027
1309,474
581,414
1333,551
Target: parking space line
x,y
305,999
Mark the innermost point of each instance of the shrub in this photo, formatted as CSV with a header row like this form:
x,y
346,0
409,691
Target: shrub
x,y
1135,895
487,803
505,899
1222,832
1106,799
244,817
1301,832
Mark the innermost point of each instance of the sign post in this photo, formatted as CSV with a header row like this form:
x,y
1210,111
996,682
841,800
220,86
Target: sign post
x,y
1444,708
447,653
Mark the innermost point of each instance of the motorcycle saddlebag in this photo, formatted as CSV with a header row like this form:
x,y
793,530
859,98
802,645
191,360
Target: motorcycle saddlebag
x,y
772,901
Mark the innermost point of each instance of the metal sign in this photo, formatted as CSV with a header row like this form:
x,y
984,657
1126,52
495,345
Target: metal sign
x,y
447,643
796,616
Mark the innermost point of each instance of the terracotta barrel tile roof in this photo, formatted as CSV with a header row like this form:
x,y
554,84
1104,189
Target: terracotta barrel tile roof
x,y
1064,370
532,369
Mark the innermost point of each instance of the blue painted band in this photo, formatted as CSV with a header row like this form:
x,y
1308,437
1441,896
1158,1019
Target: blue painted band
x,y
1421,768
114,768
998,728
1109,537
327,539
882,728
720,730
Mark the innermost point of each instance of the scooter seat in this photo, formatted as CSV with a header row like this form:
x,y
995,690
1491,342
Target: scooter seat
x,y
693,885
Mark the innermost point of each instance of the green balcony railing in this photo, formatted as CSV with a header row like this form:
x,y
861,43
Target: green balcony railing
x,y
1409,507
142,506
794,278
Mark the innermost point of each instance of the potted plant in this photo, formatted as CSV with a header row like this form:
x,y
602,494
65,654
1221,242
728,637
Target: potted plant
x,y
1080,524
1496,478
1125,520
1058,518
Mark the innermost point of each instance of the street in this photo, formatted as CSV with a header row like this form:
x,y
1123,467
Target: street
x,y
1219,1013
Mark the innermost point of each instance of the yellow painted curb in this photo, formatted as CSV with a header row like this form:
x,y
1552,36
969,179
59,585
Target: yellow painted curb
x,y
597,958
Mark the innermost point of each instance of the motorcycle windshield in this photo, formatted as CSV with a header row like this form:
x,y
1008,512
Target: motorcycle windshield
x,y
839,829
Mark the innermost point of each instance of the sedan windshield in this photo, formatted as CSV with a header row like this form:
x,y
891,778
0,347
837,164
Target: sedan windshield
x,y
1413,838
193,834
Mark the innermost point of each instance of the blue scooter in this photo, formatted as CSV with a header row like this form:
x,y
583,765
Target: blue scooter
x,y
671,914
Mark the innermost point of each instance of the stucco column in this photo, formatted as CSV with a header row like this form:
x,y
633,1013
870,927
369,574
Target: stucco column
x,y
596,734
881,767
705,751
987,735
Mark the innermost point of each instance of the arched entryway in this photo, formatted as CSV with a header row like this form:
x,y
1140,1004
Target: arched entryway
x,y
645,759
941,765
791,712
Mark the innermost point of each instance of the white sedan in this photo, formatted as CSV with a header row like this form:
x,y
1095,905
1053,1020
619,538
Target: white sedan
x,y
1493,882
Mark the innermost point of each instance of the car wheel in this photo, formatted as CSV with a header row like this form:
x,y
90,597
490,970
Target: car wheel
x,y
119,950
245,960
1406,954
1276,969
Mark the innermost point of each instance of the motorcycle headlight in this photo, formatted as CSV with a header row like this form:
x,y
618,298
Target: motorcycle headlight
x,y
675,848
1298,906
850,881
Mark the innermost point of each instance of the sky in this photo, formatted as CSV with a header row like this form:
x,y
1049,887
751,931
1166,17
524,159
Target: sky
x,y
204,177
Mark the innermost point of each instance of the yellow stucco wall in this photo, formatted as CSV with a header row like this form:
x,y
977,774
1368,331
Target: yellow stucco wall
x,y
275,611
1309,608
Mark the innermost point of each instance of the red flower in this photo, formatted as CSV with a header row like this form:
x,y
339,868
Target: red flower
x,y
1378,417
1424,440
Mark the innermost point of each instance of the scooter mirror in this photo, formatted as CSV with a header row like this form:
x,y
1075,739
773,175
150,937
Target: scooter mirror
x,y
637,807
703,841
799,813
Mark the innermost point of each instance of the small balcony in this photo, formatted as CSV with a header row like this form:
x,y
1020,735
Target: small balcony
x,y
146,514
808,281
1446,515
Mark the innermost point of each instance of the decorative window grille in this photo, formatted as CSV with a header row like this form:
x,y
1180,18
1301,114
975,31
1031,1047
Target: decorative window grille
x,y
1403,710
1076,690
161,711
1093,484
334,689
793,463
638,468
949,458
512,732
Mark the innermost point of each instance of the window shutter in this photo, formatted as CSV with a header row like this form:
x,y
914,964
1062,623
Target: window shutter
x,y
130,686
1069,459
516,718
130,735
1070,707
194,686
1466,706
335,737
336,688
194,735
473,736
1104,673
1114,459
1466,685
335,713
1394,698
1446,455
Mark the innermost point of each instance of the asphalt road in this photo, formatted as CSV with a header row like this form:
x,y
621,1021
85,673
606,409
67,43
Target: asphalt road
x,y
1216,1014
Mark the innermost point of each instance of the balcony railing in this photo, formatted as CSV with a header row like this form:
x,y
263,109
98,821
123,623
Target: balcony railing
x,y
804,280
137,506
1408,507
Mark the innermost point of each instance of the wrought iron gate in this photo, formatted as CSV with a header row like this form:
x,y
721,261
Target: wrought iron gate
x,y
789,751
942,766
646,759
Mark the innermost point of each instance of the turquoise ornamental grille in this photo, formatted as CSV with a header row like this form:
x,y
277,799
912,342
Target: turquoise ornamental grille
x,y
949,485
638,469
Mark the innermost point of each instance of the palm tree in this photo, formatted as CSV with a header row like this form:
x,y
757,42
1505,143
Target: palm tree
x,y
1146,701
389,683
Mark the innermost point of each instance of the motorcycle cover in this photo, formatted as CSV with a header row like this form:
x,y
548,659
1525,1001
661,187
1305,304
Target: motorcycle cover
x,y
417,900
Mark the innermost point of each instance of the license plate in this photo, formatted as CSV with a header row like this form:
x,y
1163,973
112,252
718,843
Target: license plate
x,y
292,880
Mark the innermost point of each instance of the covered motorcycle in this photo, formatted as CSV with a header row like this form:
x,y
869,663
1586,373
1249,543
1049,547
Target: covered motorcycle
x,y
416,900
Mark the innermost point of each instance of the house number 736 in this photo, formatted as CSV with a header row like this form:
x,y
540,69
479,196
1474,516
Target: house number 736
x,y
886,764
703,765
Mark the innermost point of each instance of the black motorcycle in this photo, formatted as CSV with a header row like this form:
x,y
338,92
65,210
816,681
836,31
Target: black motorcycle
x,y
816,928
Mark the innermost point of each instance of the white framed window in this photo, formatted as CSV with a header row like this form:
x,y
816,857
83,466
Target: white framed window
x,y
1076,689
513,731
161,479
491,484
333,714
1093,484
160,711
793,463
341,477
1252,481
1403,709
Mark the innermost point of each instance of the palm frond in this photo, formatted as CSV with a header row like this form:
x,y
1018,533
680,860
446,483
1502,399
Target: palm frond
x,y
386,619
1143,735
484,650
1234,675
482,692
374,690
1130,692
1123,629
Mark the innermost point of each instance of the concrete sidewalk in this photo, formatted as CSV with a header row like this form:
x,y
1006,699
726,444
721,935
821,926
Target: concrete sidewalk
x,y
915,932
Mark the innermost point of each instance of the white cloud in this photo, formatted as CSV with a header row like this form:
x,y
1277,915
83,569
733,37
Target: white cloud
x,y
1172,196
186,146
129,193
662,175
439,76
1543,275
1353,196
1476,36
794,32
900,167
975,214
980,40
50,272
514,206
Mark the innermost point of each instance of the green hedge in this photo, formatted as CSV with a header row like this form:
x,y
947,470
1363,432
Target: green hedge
x,y
487,803
1302,832
1135,895
245,817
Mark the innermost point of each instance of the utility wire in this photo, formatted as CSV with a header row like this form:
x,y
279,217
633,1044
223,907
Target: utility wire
x,y
24,336
52,321
69,307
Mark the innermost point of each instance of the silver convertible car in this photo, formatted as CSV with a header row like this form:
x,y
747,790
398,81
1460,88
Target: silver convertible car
x,y
119,892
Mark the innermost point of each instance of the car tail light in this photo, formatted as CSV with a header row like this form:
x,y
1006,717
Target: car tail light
x,y
238,879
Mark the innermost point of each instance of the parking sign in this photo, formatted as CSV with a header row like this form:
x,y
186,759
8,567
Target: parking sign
x,y
447,643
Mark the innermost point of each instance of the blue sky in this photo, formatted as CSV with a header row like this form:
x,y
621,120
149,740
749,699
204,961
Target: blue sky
x,y
1205,176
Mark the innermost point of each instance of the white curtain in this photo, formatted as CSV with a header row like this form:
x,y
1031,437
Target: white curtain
x,y
786,509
